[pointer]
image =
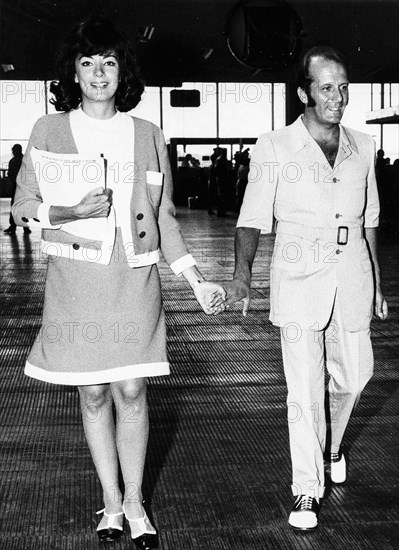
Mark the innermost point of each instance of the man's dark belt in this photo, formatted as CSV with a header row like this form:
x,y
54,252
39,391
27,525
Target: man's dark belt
x,y
340,235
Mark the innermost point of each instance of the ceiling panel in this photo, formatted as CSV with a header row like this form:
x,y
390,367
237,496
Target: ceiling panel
x,y
367,32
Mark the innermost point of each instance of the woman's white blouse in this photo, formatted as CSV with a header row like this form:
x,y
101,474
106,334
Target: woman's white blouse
x,y
114,138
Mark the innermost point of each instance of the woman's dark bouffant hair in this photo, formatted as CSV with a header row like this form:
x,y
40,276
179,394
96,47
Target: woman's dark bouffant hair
x,y
92,37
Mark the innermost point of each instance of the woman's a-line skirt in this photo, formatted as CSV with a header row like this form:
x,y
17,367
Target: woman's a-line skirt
x,y
100,324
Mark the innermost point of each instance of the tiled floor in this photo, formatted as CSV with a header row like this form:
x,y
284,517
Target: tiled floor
x,y
218,471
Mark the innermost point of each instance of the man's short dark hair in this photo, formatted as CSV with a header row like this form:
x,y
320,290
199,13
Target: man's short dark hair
x,y
304,79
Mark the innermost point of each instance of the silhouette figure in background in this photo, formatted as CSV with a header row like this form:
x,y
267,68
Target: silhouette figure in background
x,y
221,171
13,168
242,165
212,184
380,161
387,183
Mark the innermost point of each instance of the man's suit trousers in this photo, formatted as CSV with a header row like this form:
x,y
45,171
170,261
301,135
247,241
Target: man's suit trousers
x,y
348,357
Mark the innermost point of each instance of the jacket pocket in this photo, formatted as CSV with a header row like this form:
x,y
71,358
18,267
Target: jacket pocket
x,y
154,187
289,255
366,264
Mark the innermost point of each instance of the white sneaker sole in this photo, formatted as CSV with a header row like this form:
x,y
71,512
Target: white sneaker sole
x,y
338,471
303,521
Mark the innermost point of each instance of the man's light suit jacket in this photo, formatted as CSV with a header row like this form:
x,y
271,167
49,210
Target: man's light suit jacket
x,y
291,180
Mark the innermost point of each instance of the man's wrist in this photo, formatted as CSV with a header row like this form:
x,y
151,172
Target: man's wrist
x,y
244,278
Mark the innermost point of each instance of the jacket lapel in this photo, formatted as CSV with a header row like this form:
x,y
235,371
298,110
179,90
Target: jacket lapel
x,y
347,146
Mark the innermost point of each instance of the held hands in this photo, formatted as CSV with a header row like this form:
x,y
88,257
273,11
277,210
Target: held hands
x,y
214,299
211,297
96,204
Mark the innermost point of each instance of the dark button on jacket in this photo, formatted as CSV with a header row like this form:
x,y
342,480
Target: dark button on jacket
x,y
140,216
142,234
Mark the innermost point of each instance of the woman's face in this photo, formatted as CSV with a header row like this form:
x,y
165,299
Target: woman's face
x,y
98,77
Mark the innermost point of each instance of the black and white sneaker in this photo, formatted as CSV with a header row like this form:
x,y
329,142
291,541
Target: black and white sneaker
x,y
303,516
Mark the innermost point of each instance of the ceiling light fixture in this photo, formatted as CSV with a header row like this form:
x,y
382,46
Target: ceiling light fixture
x,y
7,67
206,53
146,33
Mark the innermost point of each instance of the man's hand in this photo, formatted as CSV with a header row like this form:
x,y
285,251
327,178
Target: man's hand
x,y
238,290
211,297
246,243
380,306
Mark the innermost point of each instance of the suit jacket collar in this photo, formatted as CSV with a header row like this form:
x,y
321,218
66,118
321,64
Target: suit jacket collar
x,y
302,138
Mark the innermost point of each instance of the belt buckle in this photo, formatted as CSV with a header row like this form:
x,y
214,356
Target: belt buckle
x,y
342,235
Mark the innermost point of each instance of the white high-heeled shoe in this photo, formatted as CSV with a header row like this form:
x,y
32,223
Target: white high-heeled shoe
x,y
143,534
114,526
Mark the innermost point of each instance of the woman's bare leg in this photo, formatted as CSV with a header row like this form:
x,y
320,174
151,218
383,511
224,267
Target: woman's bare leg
x,y
130,398
99,428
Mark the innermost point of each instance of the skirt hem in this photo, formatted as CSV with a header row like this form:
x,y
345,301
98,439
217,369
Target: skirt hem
x,y
98,377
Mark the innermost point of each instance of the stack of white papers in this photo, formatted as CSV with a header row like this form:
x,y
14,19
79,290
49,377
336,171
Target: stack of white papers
x,y
64,180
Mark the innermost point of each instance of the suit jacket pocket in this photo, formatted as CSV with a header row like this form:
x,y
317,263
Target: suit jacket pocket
x,y
154,187
366,264
289,255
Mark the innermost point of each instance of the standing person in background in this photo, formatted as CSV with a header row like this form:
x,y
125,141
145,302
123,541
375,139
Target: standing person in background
x,y
116,296
242,161
212,184
318,179
13,168
221,171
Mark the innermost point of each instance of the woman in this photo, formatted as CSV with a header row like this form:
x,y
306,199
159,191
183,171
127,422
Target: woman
x,y
103,326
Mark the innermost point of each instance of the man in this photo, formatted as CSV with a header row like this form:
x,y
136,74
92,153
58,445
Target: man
x,y
13,168
318,180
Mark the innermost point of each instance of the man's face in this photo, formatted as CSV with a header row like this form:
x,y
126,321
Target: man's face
x,y
329,90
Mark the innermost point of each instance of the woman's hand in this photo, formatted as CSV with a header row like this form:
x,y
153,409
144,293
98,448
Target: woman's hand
x,y
96,204
210,296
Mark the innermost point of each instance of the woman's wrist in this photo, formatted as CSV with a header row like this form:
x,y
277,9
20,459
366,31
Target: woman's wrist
x,y
197,283
62,214
193,276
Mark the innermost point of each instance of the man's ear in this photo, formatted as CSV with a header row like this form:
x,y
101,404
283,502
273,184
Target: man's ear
x,y
302,95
